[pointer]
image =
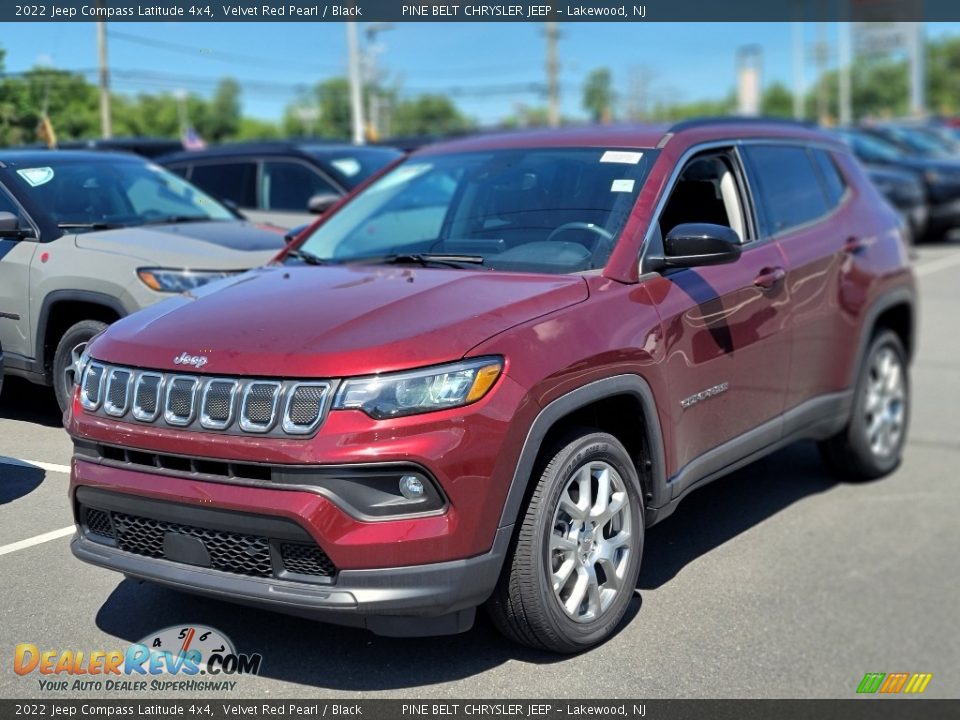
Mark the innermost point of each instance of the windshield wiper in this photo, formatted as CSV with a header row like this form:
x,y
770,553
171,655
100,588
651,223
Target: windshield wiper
x,y
308,257
90,226
427,259
178,219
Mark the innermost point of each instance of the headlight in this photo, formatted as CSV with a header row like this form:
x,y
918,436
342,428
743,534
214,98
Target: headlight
x,y
80,364
174,281
420,391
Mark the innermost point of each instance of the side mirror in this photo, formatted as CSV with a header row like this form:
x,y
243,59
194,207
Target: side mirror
x,y
292,233
322,202
10,227
694,244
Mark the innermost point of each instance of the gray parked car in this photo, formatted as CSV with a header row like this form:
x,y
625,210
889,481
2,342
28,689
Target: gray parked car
x,y
88,237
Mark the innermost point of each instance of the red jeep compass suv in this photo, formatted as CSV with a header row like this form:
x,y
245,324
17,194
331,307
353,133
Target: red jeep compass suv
x,y
483,375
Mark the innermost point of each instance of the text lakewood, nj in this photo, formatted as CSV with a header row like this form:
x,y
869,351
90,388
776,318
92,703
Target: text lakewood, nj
x,y
526,11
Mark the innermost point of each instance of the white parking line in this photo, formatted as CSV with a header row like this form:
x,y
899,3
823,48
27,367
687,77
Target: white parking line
x,y
937,265
49,467
36,540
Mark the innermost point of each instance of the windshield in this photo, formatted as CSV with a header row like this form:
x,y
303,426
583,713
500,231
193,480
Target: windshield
x,y
351,166
871,149
916,141
114,192
552,210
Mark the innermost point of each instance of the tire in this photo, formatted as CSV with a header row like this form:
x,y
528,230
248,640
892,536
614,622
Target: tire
x,y
76,335
871,445
525,606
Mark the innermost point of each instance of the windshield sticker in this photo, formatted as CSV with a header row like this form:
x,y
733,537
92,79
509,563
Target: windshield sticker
x,y
622,186
621,156
347,166
36,176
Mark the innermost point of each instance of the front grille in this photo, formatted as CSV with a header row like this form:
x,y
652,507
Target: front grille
x,y
233,405
306,560
230,551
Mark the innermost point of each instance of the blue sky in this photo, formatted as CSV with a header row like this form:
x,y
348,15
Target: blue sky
x,y
686,61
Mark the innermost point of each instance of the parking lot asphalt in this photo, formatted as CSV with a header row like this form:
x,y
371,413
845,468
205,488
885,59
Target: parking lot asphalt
x,y
777,581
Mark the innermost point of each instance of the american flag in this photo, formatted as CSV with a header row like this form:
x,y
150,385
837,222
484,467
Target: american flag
x,y
191,140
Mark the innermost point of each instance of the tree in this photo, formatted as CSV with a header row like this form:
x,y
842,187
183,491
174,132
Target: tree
x,y
777,101
222,118
428,115
598,95
331,98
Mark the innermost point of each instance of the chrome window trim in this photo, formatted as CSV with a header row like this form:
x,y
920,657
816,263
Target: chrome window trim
x,y
253,427
160,397
84,398
292,428
205,420
108,407
169,417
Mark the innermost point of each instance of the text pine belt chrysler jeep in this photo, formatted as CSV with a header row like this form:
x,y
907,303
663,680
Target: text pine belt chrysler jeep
x,y
480,379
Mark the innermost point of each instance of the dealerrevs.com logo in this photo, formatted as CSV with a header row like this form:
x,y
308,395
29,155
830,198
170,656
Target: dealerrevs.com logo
x,y
187,658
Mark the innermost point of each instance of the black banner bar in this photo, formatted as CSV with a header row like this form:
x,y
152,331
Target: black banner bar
x,y
480,11
857,709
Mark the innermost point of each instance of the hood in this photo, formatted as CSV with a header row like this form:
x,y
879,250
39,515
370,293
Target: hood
x,y
214,245
302,322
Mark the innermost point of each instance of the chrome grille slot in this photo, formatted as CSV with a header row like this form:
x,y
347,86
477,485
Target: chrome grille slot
x,y
181,400
216,405
117,395
92,386
146,396
259,407
304,407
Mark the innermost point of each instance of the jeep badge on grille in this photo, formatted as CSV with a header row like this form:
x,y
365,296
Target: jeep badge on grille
x,y
198,361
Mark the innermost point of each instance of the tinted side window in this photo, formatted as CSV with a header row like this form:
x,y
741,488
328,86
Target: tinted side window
x,y
7,205
787,184
833,182
290,185
181,170
234,181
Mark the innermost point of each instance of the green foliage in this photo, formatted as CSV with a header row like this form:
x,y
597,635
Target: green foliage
x,y
428,115
598,95
777,101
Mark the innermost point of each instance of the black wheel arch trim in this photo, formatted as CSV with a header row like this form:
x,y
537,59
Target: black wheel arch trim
x,y
57,296
891,298
633,385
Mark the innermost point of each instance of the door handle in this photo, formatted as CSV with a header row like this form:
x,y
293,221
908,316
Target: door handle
x,y
769,277
853,245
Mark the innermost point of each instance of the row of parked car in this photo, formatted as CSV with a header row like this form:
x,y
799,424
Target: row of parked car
x,y
113,232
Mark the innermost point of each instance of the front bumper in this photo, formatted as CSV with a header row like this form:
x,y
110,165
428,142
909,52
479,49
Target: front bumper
x,y
430,599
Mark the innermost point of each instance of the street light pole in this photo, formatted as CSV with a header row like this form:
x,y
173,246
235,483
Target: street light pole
x,y
106,127
356,83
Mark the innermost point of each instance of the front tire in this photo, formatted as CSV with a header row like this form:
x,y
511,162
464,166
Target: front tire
x,y
68,350
576,557
872,443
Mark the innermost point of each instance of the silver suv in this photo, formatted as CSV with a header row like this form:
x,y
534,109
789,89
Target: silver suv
x,y
86,238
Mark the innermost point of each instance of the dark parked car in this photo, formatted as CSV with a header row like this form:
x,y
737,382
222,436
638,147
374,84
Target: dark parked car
x,y
904,190
284,183
941,176
485,374
144,146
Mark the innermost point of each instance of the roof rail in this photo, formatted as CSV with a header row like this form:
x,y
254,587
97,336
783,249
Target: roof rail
x,y
739,120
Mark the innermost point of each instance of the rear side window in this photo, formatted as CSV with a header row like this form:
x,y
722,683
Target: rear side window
x,y
833,183
290,185
787,184
233,181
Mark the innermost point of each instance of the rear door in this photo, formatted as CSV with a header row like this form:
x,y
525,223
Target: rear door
x,y
803,198
233,180
285,189
727,353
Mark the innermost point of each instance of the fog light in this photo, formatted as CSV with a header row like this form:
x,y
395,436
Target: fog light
x,y
411,487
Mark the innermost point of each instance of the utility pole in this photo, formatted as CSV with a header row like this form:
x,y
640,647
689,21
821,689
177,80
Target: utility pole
x,y
846,101
106,128
799,91
356,83
553,70
918,99
372,73
822,55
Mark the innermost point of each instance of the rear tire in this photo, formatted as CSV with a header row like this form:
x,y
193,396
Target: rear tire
x,y
574,563
872,443
71,342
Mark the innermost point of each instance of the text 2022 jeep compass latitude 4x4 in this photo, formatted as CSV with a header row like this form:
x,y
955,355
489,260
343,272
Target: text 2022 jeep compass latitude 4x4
x,y
480,378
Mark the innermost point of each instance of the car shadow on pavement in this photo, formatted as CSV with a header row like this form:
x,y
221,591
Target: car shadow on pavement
x,y
316,654
18,480
710,516
24,401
